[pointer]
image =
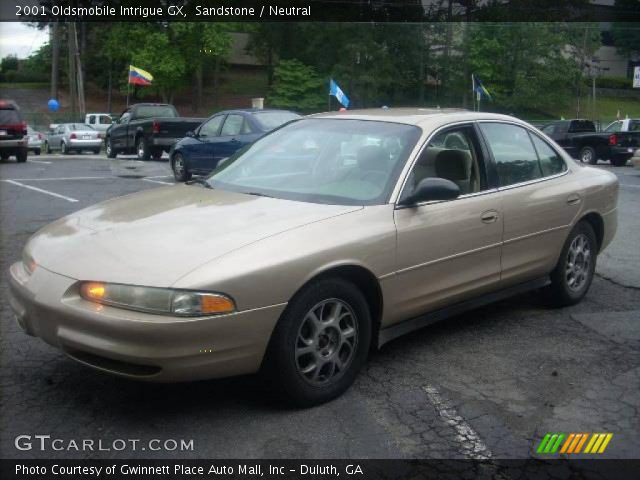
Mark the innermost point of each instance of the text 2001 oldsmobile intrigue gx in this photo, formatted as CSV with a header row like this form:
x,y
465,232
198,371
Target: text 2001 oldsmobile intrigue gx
x,y
330,235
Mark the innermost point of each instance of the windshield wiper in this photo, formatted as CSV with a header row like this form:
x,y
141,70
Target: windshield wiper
x,y
199,181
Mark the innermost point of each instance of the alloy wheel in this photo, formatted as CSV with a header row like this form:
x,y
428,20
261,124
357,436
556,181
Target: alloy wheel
x,y
577,268
178,165
326,342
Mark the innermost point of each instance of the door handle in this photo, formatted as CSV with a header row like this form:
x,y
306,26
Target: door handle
x,y
489,216
573,199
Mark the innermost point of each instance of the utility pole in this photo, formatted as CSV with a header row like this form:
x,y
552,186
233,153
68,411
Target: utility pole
x,y
73,78
54,39
78,70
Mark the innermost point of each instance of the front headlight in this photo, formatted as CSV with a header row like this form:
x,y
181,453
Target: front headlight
x,y
165,301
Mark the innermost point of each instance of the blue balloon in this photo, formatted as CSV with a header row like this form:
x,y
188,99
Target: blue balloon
x,y
53,105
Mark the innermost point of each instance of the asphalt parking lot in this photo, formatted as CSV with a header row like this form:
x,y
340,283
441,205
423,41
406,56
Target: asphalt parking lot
x,y
486,384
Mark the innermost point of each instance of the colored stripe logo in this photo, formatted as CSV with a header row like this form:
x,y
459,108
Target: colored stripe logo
x,y
573,443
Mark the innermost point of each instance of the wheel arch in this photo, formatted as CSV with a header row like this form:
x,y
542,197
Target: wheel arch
x,y
597,223
365,280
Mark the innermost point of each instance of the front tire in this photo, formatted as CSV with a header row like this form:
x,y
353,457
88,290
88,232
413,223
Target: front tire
x,y
111,152
47,148
588,155
156,154
179,166
573,274
37,151
320,343
142,150
63,149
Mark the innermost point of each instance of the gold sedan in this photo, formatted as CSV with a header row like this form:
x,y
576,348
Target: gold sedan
x,y
331,235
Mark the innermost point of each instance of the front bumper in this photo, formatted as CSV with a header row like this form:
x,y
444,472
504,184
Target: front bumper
x,y
134,344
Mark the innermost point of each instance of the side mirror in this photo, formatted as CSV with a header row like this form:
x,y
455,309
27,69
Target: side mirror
x,y
190,134
432,189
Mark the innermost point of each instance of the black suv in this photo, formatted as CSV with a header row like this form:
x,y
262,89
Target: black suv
x,y
13,132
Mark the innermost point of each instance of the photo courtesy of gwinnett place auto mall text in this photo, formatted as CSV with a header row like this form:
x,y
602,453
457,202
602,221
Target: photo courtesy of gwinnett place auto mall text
x,y
320,239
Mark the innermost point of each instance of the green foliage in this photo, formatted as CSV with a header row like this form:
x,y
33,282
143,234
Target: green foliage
x,y
626,36
297,86
8,63
618,83
524,65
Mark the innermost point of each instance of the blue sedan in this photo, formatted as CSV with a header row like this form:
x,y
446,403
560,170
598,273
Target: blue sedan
x,y
220,136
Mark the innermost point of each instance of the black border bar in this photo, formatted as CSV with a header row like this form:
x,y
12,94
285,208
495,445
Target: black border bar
x,y
319,10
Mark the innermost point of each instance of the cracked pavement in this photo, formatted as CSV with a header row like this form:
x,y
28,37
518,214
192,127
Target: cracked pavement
x,y
486,384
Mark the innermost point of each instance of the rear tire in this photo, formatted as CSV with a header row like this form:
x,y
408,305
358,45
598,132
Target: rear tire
x,y
37,151
588,155
180,171
142,150
96,151
111,152
4,156
156,154
573,274
63,149
619,161
47,147
22,155
319,344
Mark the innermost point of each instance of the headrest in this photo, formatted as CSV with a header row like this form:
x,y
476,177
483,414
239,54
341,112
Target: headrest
x,y
452,165
372,157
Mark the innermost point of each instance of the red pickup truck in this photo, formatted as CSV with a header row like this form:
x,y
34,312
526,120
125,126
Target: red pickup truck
x,y
13,132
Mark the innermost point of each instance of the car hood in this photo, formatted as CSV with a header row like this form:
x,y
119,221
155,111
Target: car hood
x,y
155,237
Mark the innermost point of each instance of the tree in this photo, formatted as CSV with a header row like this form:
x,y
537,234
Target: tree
x,y
203,44
10,62
525,66
297,86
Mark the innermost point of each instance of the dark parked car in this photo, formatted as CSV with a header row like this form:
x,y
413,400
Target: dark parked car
x,y
220,136
13,132
581,140
147,129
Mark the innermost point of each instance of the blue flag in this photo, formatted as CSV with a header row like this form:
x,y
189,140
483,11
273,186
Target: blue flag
x,y
337,92
479,89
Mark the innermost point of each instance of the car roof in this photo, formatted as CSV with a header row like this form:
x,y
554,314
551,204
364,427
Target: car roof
x,y
416,116
254,110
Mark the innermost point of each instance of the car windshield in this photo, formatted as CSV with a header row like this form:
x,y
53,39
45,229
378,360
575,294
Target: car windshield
x,y
270,120
332,161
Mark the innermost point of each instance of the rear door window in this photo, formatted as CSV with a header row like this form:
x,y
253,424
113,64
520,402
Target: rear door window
x,y
550,161
516,159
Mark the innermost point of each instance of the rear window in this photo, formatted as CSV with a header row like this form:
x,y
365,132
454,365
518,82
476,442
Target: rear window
x,y
270,120
9,116
582,126
150,111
